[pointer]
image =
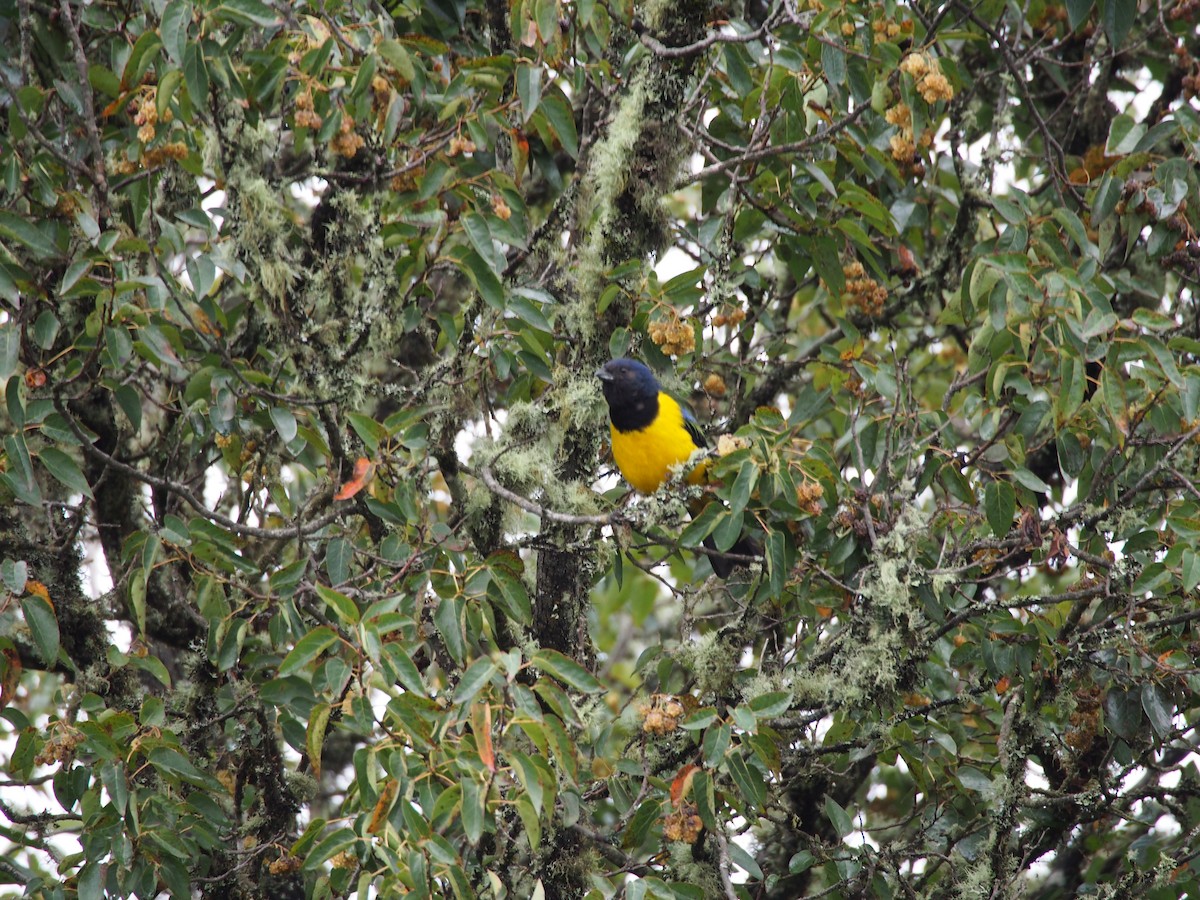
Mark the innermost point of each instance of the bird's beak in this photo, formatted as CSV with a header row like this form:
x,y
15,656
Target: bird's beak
x,y
604,375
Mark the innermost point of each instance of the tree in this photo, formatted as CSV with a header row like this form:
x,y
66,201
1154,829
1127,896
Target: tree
x,y
312,582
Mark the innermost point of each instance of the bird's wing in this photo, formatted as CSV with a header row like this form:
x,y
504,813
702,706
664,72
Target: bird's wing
x,y
693,427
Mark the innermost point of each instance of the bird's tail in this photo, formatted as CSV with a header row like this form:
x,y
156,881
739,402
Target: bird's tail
x,y
722,564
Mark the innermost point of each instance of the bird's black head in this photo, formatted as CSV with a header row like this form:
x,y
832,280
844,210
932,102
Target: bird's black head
x,y
631,391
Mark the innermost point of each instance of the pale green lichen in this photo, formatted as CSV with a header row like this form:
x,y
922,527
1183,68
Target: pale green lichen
x,y
813,688
684,869
608,174
870,660
713,663
976,880
890,585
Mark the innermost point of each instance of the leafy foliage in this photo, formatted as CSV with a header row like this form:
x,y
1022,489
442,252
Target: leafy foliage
x,y
312,579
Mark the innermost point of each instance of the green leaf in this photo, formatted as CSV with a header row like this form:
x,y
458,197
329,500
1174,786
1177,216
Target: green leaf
x,y
771,704
140,59
484,277
343,607
748,779
974,780
529,89
91,878
522,302
248,12
480,235
728,529
1074,380
1159,708
1123,135
14,573
65,470
739,857
13,227
472,809
370,431
329,846
307,649
173,28
338,554
565,670
1027,479
45,329
702,525
509,592
43,625
314,736
530,821
10,348
1123,713
285,423
449,619
1072,225
195,72
705,798
1191,570
1000,505
1077,12
823,252
715,744
398,58
833,61
20,477
401,667
842,823
478,674
1108,194
743,486
1119,16
561,117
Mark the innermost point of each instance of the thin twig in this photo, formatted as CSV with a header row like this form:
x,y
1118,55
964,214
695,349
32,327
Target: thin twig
x,y
779,150
724,864
99,178
489,479
298,530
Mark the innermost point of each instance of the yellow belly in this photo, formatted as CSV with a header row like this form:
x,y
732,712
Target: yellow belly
x,y
646,456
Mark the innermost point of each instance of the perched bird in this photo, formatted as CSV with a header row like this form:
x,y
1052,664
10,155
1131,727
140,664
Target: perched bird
x,y
652,433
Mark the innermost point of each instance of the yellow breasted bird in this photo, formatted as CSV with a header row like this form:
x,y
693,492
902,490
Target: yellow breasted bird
x,y
652,433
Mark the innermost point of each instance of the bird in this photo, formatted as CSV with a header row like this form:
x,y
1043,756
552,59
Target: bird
x,y
651,434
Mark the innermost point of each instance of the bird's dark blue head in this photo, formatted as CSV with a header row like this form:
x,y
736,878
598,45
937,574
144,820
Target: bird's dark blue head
x,y
631,391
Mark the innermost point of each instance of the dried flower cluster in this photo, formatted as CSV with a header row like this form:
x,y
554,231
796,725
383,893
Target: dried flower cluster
x,y
808,496
733,318
460,145
730,443
662,714
683,825
145,114
864,294
61,746
306,116
673,336
931,84
348,142
889,29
